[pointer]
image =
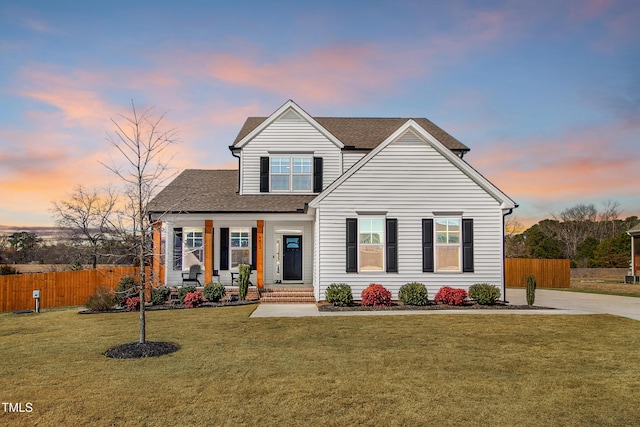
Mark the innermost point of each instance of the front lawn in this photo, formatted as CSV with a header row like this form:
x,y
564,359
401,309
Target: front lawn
x,y
372,370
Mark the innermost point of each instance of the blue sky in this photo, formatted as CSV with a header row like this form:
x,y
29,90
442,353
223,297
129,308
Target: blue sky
x,y
546,94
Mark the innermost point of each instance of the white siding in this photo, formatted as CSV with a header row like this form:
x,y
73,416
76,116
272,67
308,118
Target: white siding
x,y
274,230
409,180
290,133
350,159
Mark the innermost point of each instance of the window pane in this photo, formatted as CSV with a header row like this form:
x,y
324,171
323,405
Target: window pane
x,y
371,258
448,258
302,182
301,165
280,165
279,182
239,256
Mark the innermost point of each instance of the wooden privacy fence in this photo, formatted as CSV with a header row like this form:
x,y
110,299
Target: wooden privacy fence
x,y
549,273
59,289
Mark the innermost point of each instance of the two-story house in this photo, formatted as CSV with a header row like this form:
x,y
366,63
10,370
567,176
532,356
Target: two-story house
x,y
321,200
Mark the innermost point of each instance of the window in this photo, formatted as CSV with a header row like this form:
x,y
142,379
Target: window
x,y
240,246
192,247
371,244
448,244
290,173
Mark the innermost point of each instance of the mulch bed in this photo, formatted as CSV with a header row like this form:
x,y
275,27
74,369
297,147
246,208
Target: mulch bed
x,y
174,307
136,350
399,306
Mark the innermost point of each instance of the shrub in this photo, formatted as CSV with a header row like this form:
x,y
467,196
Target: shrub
x,y
414,294
126,288
101,300
214,292
193,299
339,294
451,296
183,291
6,270
484,293
376,295
160,295
531,290
244,273
133,304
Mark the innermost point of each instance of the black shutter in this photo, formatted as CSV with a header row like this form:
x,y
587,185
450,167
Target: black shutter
x,y
467,245
427,245
352,245
392,245
177,248
264,174
254,248
224,249
317,174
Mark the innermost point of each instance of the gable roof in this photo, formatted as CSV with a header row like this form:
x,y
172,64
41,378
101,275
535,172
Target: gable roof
x,y
213,191
411,125
634,231
354,132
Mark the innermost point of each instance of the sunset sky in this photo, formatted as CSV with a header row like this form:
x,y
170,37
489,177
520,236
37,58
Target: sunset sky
x,y
545,93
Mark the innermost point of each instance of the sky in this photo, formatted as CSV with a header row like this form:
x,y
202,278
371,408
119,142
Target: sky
x,y
545,93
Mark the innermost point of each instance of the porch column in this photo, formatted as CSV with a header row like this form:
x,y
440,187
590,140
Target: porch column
x,y
156,264
260,254
208,251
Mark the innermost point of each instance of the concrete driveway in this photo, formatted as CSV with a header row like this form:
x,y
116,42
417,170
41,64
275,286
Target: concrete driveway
x,y
580,303
563,302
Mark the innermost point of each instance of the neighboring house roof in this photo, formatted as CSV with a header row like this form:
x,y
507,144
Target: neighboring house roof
x,y
364,132
198,190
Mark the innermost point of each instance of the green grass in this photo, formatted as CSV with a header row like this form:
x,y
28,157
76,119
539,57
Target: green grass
x,y
335,371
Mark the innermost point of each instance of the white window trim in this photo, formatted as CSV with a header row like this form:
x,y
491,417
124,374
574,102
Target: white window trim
x,y
291,173
383,243
436,245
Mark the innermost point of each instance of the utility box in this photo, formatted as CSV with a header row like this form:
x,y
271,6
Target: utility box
x,y
36,293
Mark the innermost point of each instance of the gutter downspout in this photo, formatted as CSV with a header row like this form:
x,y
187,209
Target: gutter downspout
x,y
504,284
232,149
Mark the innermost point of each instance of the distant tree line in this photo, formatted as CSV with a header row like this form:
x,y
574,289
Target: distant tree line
x,y
589,237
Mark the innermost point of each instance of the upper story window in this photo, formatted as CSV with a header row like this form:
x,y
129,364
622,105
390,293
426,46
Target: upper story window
x,y
291,173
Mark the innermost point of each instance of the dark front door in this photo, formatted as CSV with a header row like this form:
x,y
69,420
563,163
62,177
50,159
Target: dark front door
x,y
292,258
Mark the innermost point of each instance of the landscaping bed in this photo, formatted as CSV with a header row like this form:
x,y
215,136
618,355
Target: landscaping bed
x,y
397,306
173,307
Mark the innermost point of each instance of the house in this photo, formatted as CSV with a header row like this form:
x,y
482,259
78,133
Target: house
x,y
322,200
635,255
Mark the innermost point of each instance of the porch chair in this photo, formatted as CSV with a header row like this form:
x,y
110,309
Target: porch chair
x,y
192,276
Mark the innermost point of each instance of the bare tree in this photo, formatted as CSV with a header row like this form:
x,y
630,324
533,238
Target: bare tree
x,y
142,145
88,218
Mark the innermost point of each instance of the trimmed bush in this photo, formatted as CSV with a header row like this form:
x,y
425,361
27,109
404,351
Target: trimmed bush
x,y
193,299
102,300
213,292
126,288
484,293
414,294
133,304
244,274
160,295
450,296
339,294
183,291
376,295
531,290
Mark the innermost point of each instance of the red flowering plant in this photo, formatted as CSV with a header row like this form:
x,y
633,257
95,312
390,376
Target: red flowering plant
x,y
133,303
376,295
451,296
193,299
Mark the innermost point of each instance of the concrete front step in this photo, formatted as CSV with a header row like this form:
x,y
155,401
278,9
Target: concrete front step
x,y
287,295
